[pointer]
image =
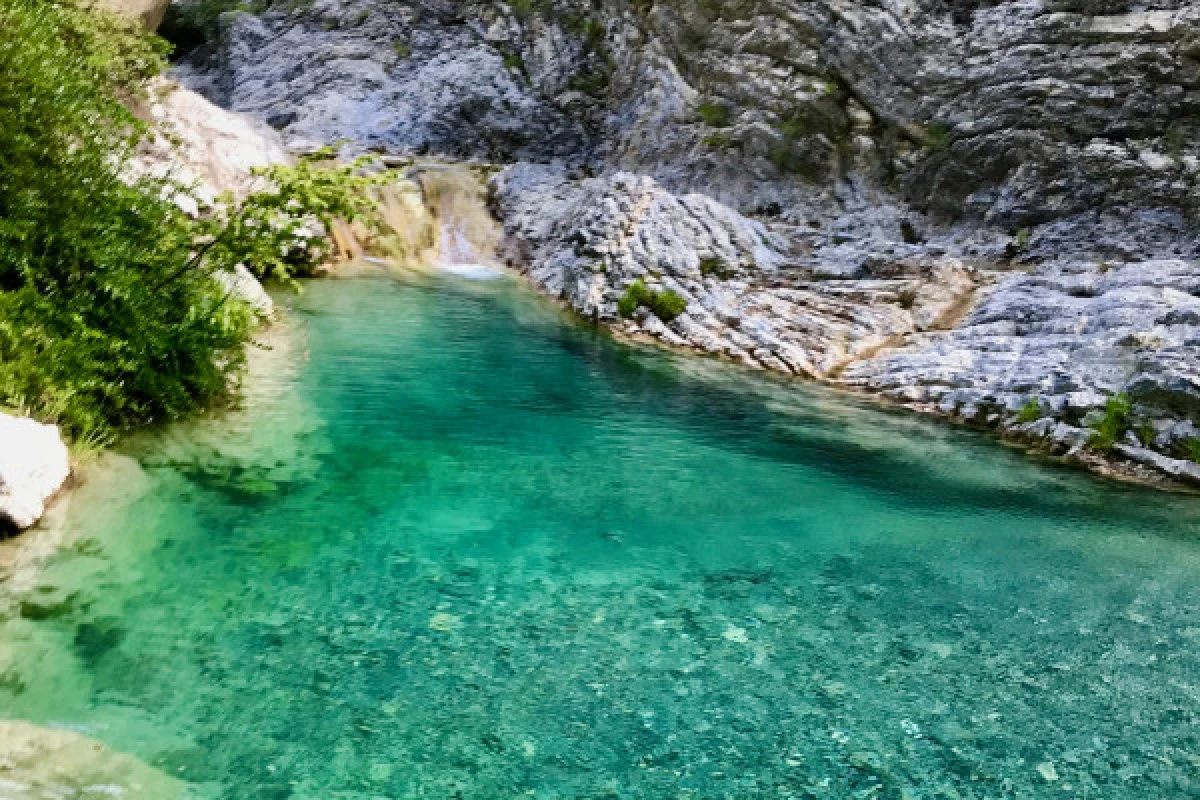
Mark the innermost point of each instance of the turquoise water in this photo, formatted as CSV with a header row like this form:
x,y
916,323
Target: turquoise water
x,y
457,547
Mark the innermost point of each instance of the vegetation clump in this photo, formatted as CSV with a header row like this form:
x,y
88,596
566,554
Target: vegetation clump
x,y
1190,449
937,136
272,230
714,266
714,115
111,310
101,323
666,305
1030,412
1117,419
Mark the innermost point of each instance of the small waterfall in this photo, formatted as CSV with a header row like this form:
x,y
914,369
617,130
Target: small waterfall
x,y
433,217
467,234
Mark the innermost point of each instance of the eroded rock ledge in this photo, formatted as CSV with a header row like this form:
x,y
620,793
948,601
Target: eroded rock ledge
x,y
772,297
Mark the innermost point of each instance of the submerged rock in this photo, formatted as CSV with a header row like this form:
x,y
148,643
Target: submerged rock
x,y
34,464
37,762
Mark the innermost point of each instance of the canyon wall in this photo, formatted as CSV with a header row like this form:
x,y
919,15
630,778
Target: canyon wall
x,y
983,208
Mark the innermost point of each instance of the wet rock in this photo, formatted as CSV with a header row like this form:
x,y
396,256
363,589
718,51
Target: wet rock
x,y
38,762
1188,471
34,464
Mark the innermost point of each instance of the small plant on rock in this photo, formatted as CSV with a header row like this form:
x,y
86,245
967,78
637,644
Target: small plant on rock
x,y
937,136
1118,412
666,305
1190,449
1030,412
1146,433
712,265
714,115
635,296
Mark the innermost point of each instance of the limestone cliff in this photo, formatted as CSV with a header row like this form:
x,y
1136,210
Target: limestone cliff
x,y
973,206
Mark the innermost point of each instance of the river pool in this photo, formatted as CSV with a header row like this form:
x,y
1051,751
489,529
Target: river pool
x,y
459,546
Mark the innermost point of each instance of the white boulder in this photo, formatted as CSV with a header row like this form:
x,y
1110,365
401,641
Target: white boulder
x,y
242,284
204,147
34,464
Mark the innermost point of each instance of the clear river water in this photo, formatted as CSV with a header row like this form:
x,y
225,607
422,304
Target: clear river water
x,y
459,546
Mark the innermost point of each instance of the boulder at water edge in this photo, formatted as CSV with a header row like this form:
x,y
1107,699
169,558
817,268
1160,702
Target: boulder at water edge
x,y
34,464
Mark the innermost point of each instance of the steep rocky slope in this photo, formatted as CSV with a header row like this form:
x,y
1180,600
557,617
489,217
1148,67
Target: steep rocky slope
x,y
973,206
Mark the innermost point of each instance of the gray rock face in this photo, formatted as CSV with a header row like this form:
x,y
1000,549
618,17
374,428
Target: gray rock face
x,y
34,464
1017,112
909,321
1067,336
753,294
391,76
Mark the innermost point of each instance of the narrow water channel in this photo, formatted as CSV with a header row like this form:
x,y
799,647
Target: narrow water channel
x,y
462,548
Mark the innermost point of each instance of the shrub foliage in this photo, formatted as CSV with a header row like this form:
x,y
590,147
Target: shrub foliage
x,y
109,312
666,305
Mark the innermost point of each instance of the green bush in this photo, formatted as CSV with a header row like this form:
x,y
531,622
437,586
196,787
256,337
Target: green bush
x,y
1030,412
1118,413
272,232
102,325
714,115
110,315
666,305
1146,433
636,295
1190,449
711,265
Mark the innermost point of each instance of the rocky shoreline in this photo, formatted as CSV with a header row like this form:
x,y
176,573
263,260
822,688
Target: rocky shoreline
x,y
986,211
949,326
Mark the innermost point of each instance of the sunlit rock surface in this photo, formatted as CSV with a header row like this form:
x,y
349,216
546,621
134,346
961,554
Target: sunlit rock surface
x,y
148,12
754,294
34,464
205,148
